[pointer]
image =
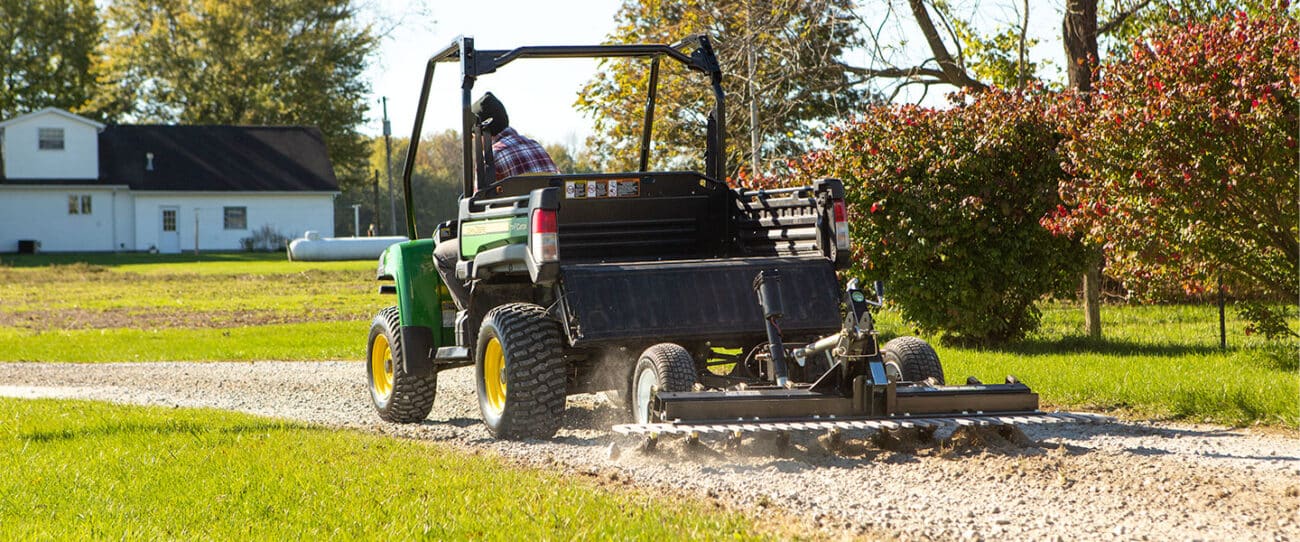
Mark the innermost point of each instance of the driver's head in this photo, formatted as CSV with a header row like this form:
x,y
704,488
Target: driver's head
x,y
489,107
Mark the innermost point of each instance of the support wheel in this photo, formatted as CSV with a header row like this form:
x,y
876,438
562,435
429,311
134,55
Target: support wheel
x,y
519,372
398,397
662,367
912,360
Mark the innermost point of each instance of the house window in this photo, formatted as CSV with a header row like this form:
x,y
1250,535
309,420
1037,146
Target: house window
x,y
50,139
79,204
236,218
169,219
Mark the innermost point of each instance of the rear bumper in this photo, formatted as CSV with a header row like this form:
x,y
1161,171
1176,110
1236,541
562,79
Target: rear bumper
x,y
694,300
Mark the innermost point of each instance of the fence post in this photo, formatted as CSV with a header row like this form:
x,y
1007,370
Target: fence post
x,y
1223,329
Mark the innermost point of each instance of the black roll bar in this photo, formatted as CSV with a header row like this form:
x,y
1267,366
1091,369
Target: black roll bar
x,y
474,63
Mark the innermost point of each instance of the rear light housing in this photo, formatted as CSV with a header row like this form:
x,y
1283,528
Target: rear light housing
x,y
544,236
840,213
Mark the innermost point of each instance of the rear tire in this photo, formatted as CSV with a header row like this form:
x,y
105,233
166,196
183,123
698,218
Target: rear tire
x,y
911,359
519,371
398,397
662,367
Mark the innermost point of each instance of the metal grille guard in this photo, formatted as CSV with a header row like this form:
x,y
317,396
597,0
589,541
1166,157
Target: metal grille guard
x,y
848,423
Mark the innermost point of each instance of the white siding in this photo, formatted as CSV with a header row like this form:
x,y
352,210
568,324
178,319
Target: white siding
x,y
79,158
41,213
290,214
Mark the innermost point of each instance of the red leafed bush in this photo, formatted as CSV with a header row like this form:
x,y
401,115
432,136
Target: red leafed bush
x,y
945,207
1184,164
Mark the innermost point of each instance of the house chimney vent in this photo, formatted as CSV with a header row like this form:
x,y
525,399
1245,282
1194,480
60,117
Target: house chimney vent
x,y
148,161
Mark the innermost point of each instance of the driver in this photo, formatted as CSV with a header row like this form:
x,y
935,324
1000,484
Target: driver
x,y
514,154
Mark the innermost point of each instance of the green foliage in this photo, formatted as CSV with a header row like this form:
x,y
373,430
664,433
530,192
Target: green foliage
x,y
995,59
799,79
94,471
944,206
265,239
1185,163
242,62
49,50
570,160
1269,321
435,181
1117,44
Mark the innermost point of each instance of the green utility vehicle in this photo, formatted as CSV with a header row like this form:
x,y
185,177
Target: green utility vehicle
x,y
671,288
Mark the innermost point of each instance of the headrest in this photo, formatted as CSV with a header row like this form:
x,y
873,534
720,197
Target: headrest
x,y
489,107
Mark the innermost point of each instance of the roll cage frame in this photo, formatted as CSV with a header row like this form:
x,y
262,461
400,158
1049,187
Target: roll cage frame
x,y
695,52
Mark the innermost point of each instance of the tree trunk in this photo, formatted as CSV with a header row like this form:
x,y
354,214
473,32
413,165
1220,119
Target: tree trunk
x,y
1079,32
1092,299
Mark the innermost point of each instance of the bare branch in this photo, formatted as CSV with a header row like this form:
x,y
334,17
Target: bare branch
x,y
953,73
1120,17
895,72
1020,65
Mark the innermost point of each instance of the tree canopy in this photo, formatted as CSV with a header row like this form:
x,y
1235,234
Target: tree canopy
x,y
50,48
241,62
798,83
1185,162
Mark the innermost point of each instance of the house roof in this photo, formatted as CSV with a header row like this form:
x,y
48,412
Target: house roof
x,y
216,158
55,111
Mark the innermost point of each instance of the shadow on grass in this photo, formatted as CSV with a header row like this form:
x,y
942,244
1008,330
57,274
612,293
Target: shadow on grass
x,y
163,428
1106,347
128,258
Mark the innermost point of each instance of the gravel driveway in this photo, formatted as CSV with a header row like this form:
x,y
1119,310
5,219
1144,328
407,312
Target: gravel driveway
x,y
1116,481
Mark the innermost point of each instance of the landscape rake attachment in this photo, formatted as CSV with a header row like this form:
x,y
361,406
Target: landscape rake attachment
x,y
866,387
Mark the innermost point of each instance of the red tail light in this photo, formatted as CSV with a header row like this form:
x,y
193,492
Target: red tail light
x,y
841,216
544,237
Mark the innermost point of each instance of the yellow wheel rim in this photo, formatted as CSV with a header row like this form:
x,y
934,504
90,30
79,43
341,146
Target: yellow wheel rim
x,y
381,367
494,375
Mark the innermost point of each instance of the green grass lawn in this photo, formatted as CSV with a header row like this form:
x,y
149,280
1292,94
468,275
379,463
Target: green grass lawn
x,y
204,263
1155,361
1160,361
80,470
213,307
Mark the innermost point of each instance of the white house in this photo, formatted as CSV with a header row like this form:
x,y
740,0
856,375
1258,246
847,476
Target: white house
x,y
73,184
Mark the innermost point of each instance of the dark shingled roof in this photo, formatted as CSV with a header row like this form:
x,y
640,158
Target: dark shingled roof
x,y
216,158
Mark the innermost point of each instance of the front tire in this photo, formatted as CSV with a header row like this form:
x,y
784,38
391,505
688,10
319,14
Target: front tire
x,y
912,360
519,370
398,397
662,367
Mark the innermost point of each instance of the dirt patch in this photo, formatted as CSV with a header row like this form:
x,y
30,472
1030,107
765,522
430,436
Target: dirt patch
x,y
163,318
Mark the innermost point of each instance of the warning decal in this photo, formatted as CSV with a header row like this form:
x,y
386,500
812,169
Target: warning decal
x,y
613,188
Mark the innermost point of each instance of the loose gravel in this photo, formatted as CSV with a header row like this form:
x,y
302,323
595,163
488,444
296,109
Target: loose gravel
x,y
1120,481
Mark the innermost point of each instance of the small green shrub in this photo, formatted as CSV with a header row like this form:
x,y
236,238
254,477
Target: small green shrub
x,y
265,238
945,207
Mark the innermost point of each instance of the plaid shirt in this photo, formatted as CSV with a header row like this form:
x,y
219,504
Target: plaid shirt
x,y
515,155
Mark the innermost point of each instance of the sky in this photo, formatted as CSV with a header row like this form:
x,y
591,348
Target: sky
x,y
539,94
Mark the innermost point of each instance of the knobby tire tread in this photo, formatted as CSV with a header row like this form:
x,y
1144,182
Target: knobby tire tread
x,y
532,343
412,398
675,365
916,359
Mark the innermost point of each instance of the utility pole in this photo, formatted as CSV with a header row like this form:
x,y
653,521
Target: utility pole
x,y
388,164
196,231
375,205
